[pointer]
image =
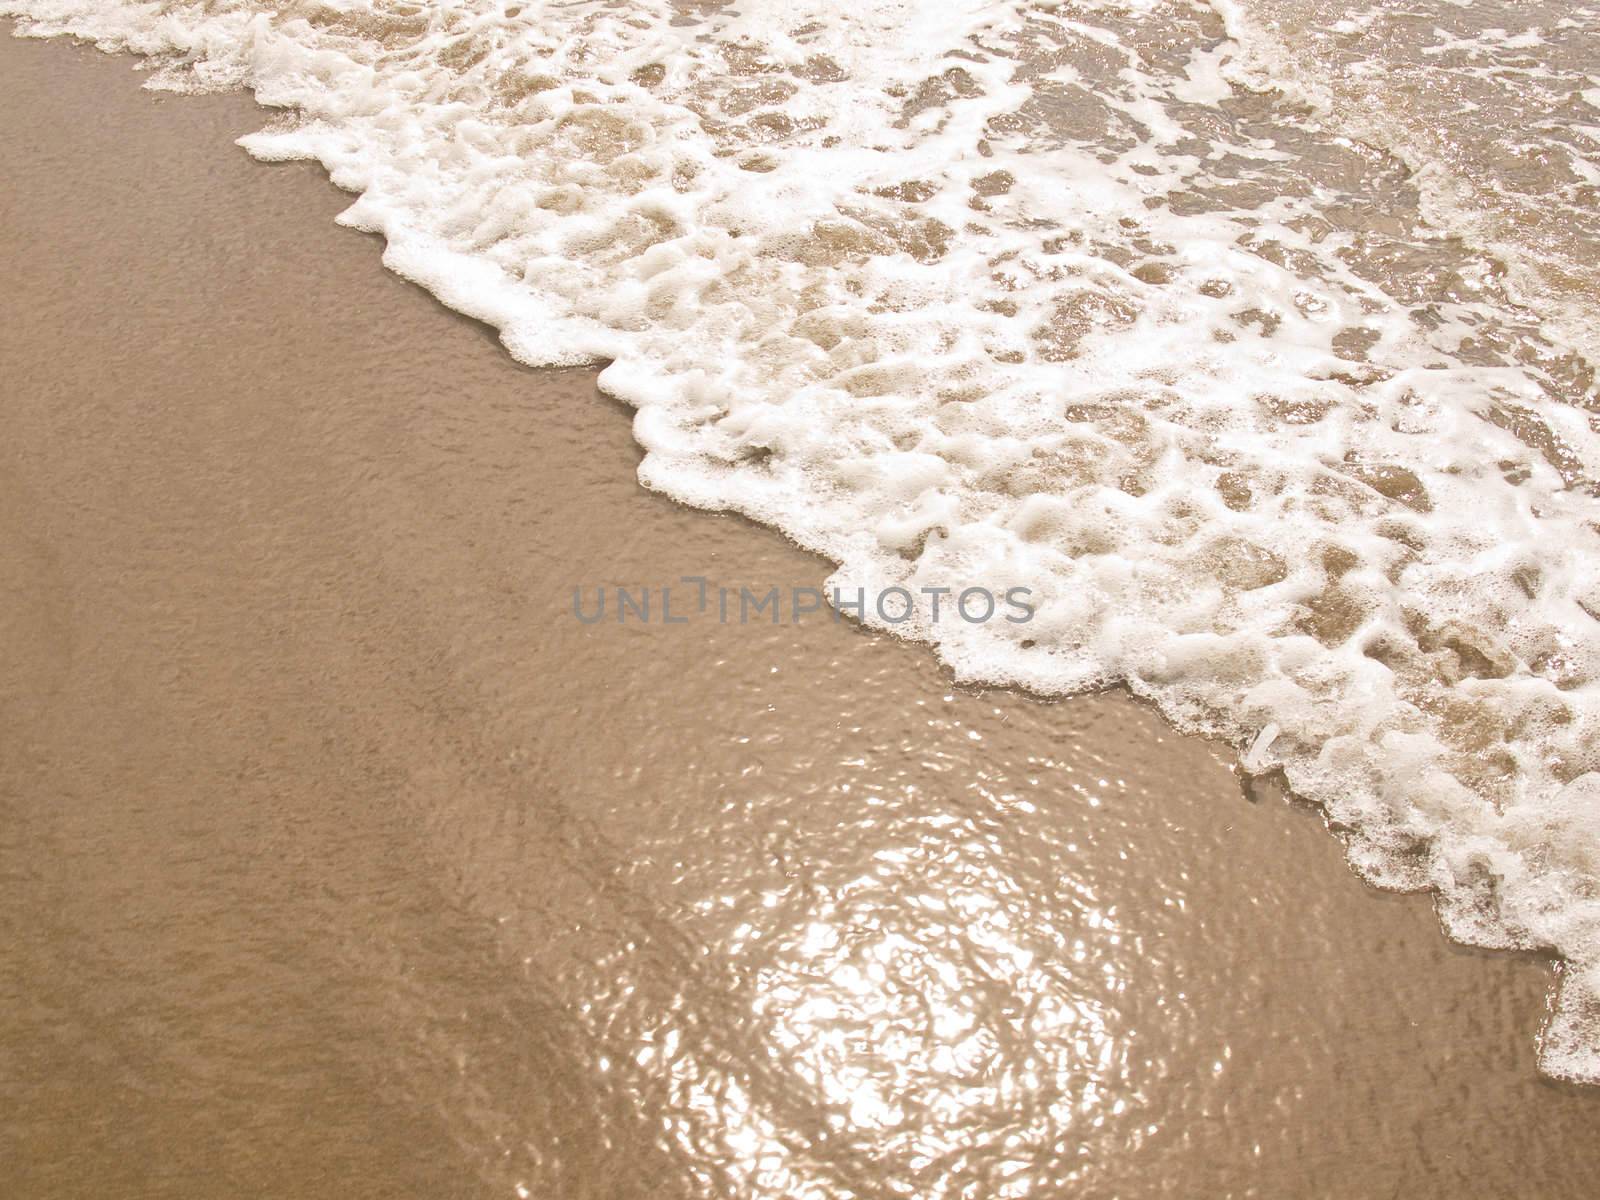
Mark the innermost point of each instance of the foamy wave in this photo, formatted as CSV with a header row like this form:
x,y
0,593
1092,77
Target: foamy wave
x,y
1029,295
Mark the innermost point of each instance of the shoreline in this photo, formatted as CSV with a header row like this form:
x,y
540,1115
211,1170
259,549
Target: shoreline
x,y
312,769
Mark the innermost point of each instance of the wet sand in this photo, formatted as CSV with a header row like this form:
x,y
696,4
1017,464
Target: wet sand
x,y
339,859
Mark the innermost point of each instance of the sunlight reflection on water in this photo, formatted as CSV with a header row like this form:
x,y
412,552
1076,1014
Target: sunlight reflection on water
x,y
930,1013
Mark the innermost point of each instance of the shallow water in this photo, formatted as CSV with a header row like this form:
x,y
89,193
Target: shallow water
x,y
1495,107
1269,389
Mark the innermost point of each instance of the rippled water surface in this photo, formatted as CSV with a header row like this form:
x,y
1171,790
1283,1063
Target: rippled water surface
x,y
1103,300
325,829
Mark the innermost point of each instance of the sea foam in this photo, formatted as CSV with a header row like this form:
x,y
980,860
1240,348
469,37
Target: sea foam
x,y
1034,295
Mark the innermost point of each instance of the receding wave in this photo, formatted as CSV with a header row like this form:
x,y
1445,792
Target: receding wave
x,y
1030,294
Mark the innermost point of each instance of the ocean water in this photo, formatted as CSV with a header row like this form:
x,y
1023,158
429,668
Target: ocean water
x,y
1255,340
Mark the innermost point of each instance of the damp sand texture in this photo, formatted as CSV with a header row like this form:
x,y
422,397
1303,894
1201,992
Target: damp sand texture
x,y
340,861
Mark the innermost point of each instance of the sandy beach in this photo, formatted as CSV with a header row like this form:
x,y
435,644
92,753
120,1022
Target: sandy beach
x,y
339,859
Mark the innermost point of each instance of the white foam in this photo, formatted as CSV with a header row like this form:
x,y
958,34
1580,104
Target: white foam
x,y
1029,296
